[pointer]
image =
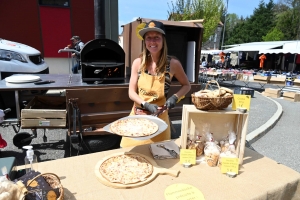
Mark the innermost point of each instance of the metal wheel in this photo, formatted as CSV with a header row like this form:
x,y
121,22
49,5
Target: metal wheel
x,y
19,138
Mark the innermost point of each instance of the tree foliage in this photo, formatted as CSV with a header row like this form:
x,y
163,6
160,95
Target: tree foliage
x,y
209,10
269,21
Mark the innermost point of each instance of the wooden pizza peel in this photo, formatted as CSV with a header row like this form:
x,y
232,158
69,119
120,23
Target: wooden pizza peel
x,y
157,170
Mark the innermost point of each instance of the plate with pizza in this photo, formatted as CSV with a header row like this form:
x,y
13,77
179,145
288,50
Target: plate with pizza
x,y
129,170
138,127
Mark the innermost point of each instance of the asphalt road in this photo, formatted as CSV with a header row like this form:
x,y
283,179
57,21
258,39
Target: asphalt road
x,y
281,143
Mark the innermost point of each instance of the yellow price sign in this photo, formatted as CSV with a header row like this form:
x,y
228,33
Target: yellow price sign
x,y
182,191
188,156
241,101
230,165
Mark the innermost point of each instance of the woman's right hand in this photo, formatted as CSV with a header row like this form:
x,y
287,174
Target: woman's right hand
x,y
151,107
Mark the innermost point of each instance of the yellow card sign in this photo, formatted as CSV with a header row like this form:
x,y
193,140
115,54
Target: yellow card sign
x,y
188,156
183,192
230,165
241,101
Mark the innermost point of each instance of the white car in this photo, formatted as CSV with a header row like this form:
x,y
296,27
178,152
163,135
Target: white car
x,y
17,58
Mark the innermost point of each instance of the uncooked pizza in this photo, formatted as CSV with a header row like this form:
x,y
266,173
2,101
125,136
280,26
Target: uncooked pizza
x,y
134,127
126,169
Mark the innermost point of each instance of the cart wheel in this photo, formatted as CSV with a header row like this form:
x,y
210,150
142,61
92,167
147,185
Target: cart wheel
x,y
99,143
17,140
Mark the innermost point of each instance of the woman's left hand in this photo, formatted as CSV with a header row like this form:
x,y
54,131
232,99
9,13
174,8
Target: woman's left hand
x,y
172,101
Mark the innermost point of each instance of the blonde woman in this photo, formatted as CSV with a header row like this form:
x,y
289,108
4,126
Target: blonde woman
x,y
150,80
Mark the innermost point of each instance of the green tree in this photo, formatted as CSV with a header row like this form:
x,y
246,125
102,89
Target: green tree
x,y
274,35
209,10
288,19
252,29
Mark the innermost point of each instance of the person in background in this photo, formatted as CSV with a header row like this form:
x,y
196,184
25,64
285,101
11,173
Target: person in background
x,y
262,59
77,45
150,80
204,63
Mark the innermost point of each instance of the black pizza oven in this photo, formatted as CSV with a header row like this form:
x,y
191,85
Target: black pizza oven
x,y
102,60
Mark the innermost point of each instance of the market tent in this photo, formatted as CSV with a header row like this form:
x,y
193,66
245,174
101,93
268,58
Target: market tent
x,y
277,51
212,52
253,47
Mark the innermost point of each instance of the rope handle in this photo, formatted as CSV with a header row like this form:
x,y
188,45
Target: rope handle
x,y
213,81
42,175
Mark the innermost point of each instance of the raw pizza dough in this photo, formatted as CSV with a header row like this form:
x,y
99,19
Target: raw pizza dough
x,y
126,169
134,127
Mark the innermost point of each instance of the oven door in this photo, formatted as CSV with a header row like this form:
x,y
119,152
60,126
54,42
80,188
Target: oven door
x,y
103,72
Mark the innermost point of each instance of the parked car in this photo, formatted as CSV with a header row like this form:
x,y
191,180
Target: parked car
x,y
17,58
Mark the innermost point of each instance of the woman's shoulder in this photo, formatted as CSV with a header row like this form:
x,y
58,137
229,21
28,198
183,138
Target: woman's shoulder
x,y
174,61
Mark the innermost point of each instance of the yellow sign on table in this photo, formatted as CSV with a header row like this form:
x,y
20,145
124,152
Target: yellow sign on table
x,y
241,101
182,191
230,165
188,156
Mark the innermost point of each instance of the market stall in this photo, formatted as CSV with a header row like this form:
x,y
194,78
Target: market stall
x,y
259,178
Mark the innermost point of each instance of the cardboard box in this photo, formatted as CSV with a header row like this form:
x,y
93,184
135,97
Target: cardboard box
x,y
291,96
45,112
267,94
220,123
272,91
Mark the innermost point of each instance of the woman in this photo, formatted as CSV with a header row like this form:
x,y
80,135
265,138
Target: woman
x,y
150,80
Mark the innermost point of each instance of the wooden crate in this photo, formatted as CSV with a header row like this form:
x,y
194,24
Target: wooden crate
x,y
193,119
45,112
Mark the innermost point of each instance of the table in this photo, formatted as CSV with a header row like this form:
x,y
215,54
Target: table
x,y
259,178
62,81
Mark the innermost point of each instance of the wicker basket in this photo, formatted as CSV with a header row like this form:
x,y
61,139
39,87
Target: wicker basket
x,y
207,103
53,181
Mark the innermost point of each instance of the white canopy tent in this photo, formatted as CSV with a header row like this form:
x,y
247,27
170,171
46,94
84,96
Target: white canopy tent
x,y
277,51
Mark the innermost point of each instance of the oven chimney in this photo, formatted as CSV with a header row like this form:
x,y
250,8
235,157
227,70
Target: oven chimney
x,y
99,17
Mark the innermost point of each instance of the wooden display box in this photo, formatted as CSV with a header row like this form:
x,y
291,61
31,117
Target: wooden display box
x,y
45,112
291,96
267,94
271,92
297,82
194,119
259,78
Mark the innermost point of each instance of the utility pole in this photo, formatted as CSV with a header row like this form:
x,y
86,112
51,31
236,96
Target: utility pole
x,y
224,25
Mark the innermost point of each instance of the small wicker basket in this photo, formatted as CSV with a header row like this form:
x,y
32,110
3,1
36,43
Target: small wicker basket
x,y
208,103
53,181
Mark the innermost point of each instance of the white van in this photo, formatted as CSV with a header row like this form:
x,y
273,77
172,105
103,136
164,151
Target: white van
x,y
17,58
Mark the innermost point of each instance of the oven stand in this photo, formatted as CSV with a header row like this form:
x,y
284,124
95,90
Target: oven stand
x,y
76,137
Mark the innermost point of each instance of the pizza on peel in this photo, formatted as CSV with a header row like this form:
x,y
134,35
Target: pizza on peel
x,y
126,169
134,127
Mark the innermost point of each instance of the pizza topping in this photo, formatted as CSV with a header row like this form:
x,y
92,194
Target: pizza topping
x,y
126,169
134,127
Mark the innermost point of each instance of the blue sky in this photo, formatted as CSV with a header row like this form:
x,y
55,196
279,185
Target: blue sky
x,y
129,10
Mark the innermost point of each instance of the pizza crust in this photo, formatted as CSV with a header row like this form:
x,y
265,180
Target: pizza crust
x,y
126,169
134,127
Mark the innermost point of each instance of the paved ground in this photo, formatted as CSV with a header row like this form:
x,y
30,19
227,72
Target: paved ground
x,y
280,143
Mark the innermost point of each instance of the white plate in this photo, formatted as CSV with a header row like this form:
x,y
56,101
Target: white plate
x,y
22,79
162,126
